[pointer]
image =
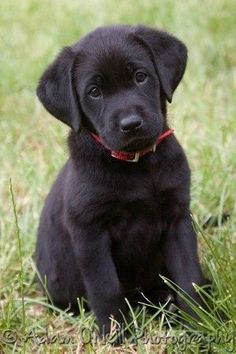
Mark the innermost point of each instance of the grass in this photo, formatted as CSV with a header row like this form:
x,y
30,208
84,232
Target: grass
x,y
33,149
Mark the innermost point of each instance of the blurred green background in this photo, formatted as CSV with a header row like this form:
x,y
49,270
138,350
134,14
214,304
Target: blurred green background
x,y
33,144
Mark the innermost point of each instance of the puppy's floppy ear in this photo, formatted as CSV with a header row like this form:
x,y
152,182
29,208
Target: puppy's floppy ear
x,y
56,92
169,57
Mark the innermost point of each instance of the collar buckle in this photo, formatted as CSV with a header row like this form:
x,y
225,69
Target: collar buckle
x,y
136,157
154,148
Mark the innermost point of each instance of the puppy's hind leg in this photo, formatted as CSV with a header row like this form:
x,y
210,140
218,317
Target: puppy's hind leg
x,y
59,275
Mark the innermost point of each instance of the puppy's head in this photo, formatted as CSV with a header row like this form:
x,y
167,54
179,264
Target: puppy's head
x,y
113,82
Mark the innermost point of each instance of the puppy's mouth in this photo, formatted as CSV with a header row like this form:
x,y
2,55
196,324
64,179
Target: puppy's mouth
x,y
138,144
135,144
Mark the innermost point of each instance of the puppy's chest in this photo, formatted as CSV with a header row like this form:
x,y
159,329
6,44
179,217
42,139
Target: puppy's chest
x,y
136,239
136,228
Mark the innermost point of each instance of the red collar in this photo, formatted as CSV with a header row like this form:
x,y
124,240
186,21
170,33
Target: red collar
x,y
134,156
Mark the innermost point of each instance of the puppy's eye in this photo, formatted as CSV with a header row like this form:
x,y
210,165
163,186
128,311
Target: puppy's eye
x,y
94,92
140,77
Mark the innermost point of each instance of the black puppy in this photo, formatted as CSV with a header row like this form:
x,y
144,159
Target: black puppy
x,y
118,214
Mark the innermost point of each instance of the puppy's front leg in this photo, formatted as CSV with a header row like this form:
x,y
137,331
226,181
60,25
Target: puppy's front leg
x,y
182,261
103,289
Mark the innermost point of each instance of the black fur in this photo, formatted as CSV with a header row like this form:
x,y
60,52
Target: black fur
x,y
110,227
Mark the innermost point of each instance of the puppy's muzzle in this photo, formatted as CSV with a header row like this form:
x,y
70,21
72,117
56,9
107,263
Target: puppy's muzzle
x,y
131,124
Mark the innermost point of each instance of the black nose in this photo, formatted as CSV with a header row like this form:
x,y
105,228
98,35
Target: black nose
x,y
130,123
